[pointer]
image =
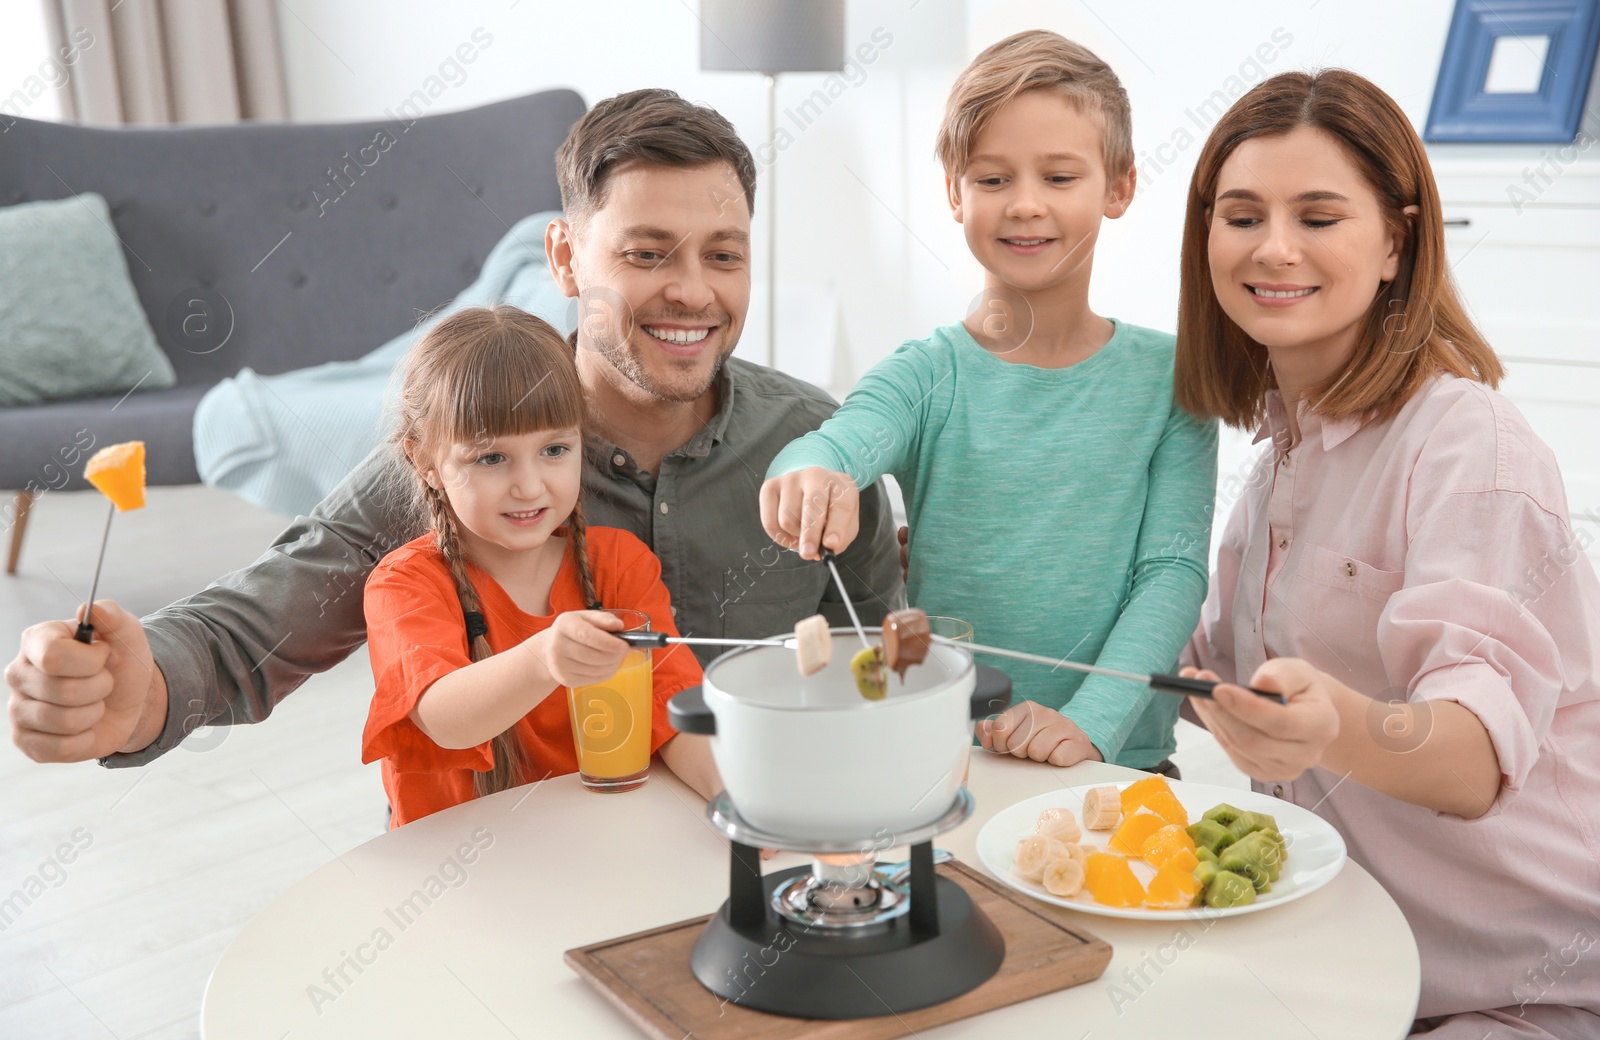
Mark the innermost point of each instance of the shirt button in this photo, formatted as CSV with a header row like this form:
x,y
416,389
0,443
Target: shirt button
x,y
1349,569
663,507
1282,543
619,459
1277,790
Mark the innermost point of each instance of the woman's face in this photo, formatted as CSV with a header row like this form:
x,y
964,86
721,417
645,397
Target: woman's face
x,y
1298,248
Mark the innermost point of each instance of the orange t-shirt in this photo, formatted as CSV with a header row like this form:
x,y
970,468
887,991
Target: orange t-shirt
x,y
416,634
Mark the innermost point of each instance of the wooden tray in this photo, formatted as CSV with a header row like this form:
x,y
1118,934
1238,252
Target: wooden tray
x,y
647,975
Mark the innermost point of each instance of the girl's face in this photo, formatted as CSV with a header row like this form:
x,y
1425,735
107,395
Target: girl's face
x,y
510,493
1298,247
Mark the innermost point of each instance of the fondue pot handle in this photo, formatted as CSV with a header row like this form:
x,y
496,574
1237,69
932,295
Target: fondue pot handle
x,y
992,694
688,713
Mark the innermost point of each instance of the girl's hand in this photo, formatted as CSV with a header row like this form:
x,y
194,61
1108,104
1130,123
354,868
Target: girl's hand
x,y
1030,730
1272,741
578,648
811,509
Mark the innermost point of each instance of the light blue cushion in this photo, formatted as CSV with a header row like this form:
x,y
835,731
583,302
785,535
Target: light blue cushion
x,y
70,321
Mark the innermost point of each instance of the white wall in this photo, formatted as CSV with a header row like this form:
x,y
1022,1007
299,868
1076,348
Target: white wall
x,y
862,196
862,200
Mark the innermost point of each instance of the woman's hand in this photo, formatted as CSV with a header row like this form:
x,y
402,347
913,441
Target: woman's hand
x,y
578,648
811,509
1272,741
1031,730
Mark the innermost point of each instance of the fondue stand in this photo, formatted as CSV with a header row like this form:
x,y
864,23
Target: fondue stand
x,y
843,939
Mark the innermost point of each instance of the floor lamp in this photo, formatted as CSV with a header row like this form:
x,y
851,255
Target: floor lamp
x,y
770,37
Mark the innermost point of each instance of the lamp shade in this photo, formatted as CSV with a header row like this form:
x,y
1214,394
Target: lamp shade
x,y
771,35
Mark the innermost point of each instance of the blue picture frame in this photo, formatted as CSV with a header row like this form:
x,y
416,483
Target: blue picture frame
x,y
1463,111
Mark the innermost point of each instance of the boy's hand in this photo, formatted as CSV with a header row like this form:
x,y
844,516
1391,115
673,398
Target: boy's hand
x,y
578,649
73,701
1030,730
1270,741
809,508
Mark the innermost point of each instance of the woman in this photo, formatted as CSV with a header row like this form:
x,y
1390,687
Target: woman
x,y
1402,567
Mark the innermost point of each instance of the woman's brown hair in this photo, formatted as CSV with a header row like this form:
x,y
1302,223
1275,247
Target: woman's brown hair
x,y
1417,326
478,374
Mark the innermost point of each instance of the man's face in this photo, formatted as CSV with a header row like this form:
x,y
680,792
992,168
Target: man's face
x,y
662,270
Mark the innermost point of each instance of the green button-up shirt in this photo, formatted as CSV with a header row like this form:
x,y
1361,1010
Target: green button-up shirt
x,y
235,649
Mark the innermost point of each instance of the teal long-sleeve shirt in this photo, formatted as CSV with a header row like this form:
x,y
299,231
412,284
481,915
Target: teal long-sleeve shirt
x,y
1064,512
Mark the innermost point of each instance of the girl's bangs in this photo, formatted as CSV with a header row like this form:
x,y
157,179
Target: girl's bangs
x,y
508,388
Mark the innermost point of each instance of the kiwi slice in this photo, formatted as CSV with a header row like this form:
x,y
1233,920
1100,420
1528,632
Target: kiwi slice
x,y
1229,889
1204,854
1206,871
1247,858
1222,814
1209,834
867,668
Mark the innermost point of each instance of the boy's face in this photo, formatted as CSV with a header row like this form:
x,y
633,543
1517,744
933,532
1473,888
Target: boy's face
x,y
663,272
1034,192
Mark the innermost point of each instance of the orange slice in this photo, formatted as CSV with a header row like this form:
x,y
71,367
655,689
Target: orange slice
x,y
1154,794
1173,888
1110,880
118,471
1130,835
1183,858
1165,843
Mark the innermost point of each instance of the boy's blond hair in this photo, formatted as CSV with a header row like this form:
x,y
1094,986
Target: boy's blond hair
x,y
1035,60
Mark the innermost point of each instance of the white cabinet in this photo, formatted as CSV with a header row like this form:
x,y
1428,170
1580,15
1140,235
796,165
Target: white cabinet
x,y
1524,244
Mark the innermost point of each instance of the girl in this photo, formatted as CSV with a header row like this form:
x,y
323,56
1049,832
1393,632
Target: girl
x,y
1403,567
490,424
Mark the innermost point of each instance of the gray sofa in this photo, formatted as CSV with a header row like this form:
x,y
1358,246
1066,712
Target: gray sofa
x,y
273,246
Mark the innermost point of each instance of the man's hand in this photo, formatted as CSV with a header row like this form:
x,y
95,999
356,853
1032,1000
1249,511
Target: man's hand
x,y
1031,730
809,508
578,648
73,701
1271,741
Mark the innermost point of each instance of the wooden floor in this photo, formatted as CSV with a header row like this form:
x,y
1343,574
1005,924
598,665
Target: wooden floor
x,y
181,854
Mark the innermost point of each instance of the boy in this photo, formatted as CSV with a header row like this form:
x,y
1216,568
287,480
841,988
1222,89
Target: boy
x,y
1059,501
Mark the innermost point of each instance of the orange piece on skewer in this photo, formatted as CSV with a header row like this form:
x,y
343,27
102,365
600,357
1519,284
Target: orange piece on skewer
x,y
118,471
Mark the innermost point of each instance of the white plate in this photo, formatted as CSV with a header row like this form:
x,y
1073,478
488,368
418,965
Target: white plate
x,y
1316,851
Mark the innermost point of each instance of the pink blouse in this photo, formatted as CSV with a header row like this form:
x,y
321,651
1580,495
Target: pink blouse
x,y
1430,558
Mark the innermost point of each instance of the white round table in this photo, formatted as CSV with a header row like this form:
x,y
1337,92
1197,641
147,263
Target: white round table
x,y
455,925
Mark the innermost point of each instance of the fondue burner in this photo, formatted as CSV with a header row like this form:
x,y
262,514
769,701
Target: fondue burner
x,y
842,891
845,937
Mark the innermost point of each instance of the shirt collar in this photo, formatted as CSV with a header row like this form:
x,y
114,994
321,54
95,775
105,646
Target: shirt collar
x,y
604,453
1332,432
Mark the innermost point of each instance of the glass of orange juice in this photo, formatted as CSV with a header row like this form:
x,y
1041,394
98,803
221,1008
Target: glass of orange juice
x,y
611,719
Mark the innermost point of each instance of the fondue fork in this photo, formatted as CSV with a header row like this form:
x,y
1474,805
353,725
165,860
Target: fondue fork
x,y
660,639
1174,684
827,557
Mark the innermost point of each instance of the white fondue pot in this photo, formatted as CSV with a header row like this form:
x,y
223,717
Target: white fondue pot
x,y
808,758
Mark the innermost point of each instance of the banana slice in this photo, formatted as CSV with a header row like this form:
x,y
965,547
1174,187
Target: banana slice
x,y
1102,808
1063,876
1059,824
813,644
1034,854
906,637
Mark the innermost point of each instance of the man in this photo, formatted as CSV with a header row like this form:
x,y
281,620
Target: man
x,y
658,195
